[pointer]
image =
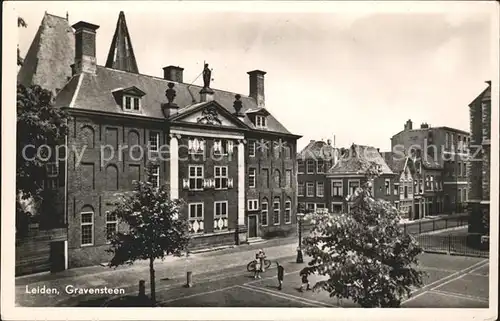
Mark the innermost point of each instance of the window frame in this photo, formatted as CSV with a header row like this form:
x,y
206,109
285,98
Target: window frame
x,y
320,169
337,204
276,210
157,137
260,121
334,188
108,222
196,177
299,189
221,178
264,210
252,148
307,189
322,184
288,211
312,163
301,163
387,186
253,204
197,218
135,103
358,181
252,176
91,224
155,174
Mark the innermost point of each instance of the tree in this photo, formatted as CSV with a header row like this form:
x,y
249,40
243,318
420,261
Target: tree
x,y
365,254
20,23
38,124
154,229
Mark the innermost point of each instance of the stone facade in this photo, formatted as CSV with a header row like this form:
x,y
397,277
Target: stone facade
x,y
479,167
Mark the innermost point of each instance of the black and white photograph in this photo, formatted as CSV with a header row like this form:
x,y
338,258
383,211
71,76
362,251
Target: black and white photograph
x,y
252,155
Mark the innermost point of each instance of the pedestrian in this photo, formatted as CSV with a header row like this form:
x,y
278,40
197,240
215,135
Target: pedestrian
x,y
281,273
258,266
305,281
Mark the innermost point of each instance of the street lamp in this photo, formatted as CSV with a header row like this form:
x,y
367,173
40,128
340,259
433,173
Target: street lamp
x,y
300,257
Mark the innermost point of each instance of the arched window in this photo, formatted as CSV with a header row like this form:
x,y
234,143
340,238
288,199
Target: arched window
x,y
87,135
264,212
87,225
277,178
111,178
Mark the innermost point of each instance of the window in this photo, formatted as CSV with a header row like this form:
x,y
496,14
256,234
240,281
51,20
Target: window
x,y
432,183
395,189
311,207
459,143
288,178
52,169
220,177
387,187
406,192
288,212
421,190
111,225
253,205
337,208
466,195
251,148
251,177
265,177
410,189
196,177
219,147
154,178
310,166
320,189
220,215
196,218
276,211
300,166
260,121
310,189
353,185
263,213
320,166
196,146
287,151
300,189
132,103
459,196
277,178
154,141
337,187
87,237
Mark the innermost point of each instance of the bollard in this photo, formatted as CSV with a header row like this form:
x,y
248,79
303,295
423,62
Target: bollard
x,y
142,288
189,279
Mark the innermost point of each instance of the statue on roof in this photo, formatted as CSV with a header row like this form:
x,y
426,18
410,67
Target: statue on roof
x,y
207,76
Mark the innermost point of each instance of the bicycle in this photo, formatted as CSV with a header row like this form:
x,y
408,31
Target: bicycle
x,y
251,265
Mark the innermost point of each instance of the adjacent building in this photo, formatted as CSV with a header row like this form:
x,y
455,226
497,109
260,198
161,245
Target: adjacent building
x,y
350,172
223,153
313,162
444,153
479,165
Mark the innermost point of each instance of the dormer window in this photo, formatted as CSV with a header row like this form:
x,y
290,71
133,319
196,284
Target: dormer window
x,y
130,99
260,121
131,103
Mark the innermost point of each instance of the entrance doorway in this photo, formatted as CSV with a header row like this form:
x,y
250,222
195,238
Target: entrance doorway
x,y
57,256
252,226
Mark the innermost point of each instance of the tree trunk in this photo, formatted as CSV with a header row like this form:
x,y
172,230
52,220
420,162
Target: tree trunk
x,y
152,280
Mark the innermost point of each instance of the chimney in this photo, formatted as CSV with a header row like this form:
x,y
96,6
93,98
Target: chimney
x,y
85,47
173,73
424,125
257,86
409,125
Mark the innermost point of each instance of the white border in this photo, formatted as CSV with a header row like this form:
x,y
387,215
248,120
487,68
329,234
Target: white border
x,y
9,311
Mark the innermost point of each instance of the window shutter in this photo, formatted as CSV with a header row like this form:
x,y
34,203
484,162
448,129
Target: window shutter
x,y
230,183
185,183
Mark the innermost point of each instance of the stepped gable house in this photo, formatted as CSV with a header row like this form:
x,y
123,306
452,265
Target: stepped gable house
x,y
226,155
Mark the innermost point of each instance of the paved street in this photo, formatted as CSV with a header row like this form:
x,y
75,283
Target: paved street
x,y
220,279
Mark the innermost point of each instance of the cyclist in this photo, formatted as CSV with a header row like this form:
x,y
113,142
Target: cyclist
x,y
258,265
262,257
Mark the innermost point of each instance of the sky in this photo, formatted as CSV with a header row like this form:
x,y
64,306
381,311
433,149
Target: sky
x,y
356,73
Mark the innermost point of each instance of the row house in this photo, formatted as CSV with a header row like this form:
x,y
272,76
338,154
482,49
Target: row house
x,y
350,172
313,162
480,166
223,153
443,148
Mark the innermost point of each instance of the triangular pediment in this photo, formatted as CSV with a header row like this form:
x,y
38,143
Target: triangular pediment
x,y
209,114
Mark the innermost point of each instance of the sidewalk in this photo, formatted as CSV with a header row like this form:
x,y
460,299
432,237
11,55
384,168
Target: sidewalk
x,y
127,277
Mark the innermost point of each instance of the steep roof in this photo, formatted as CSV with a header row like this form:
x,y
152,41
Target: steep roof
x,y
358,159
395,162
49,58
318,149
121,54
94,92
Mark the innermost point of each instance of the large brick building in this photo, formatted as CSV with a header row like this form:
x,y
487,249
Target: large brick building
x,y
313,162
444,154
479,166
224,154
